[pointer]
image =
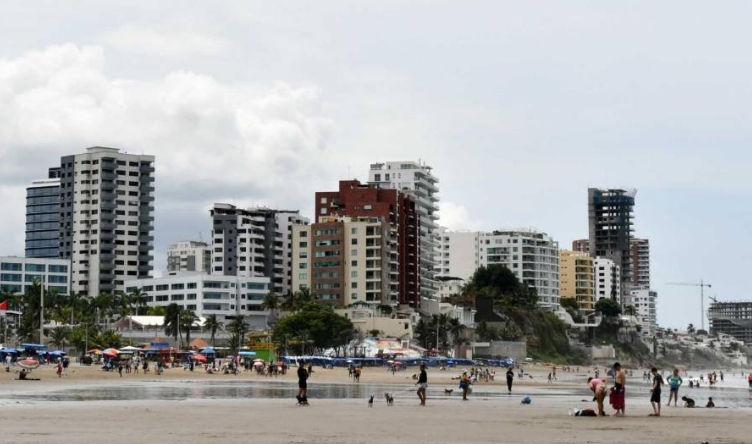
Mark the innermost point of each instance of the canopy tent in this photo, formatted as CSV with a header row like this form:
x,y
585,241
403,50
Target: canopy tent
x,y
58,353
199,358
34,346
198,343
246,353
207,351
130,348
9,350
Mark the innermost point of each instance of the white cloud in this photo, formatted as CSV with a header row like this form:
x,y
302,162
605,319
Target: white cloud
x,y
457,217
212,141
163,43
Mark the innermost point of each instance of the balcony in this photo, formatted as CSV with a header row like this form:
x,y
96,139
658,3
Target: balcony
x,y
106,287
107,235
108,196
146,189
108,185
107,246
106,265
106,256
145,268
146,218
104,225
146,198
108,176
108,205
106,276
146,169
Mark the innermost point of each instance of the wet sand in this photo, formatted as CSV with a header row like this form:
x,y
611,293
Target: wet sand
x,y
445,420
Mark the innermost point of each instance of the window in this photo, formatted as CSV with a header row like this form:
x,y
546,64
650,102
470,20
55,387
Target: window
x,y
177,286
302,275
353,252
323,200
354,241
36,267
10,266
163,287
191,296
303,265
354,285
192,285
58,279
323,210
177,297
162,298
7,277
354,230
353,274
368,207
34,278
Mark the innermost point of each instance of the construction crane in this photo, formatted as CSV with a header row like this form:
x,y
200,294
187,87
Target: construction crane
x,y
702,286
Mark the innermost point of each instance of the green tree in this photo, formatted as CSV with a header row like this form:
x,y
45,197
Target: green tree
x,y
457,330
502,284
570,304
324,327
171,322
59,337
187,319
486,332
608,307
213,325
237,328
271,303
138,299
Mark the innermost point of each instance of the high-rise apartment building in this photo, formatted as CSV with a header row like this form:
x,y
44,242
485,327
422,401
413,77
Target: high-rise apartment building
x,y
581,245
356,201
106,218
640,263
576,278
345,260
417,180
610,225
533,256
457,254
43,216
607,280
254,242
189,256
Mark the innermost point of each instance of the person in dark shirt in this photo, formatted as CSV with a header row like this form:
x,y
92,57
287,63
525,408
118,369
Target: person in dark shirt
x,y
655,397
510,378
422,384
710,403
302,385
688,402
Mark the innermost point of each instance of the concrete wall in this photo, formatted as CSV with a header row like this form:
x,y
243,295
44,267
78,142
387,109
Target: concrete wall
x,y
500,349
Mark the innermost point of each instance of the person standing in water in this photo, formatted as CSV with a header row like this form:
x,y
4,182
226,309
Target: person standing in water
x,y
422,384
510,379
464,384
618,393
674,382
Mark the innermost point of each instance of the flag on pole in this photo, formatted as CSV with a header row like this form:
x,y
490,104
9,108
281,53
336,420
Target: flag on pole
x,y
4,306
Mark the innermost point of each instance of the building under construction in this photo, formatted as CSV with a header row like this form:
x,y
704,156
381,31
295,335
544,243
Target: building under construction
x,y
610,226
732,318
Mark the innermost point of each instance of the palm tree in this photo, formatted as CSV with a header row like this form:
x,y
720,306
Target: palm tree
x,y
59,337
187,319
457,330
290,301
271,303
238,328
213,325
171,322
102,303
138,298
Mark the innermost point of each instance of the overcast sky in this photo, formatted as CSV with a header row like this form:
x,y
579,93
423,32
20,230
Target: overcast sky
x,y
518,106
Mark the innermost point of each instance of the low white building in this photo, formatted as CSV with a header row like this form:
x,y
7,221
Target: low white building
x,y
607,279
207,294
366,317
431,307
19,273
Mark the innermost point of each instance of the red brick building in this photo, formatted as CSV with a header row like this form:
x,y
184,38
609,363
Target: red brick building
x,y
354,199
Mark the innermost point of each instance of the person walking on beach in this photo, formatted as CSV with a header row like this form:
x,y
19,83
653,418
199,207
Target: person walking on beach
x,y
674,382
302,385
598,387
655,390
749,380
618,393
464,384
510,378
358,371
59,369
8,360
422,384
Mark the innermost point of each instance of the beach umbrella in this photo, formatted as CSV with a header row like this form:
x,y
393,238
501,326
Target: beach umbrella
x,y
200,358
110,353
9,350
28,364
258,364
397,362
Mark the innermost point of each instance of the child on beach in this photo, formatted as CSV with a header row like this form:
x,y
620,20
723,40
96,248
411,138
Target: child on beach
x,y
464,384
655,397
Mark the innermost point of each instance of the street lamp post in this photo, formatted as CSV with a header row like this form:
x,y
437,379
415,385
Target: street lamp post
x,y
41,316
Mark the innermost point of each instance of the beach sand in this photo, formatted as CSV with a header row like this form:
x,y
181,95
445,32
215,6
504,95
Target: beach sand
x,y
333,421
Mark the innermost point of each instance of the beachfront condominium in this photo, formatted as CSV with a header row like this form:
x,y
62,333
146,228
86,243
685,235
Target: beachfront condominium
x,y
532,255
398,211
43,216
189,256
607,280
610,220
18,274
644,303
457,255
106,218
417,180
731,318
207,294
640,263
344,260
254,242
576,278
